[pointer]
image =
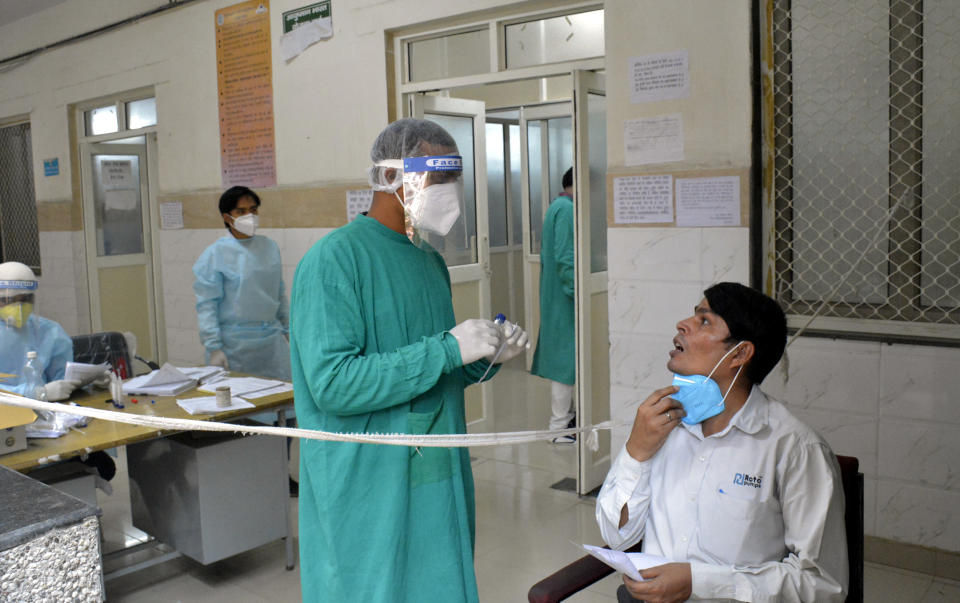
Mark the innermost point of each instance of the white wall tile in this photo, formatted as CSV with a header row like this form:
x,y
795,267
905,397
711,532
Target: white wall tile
x,y
651,307
636,360
725,254
924,453
920,382
918,515
668,254
847,434
829,374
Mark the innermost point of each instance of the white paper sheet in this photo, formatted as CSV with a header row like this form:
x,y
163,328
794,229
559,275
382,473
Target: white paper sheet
x,y
643,199
208,405
307,34
625,563
240,386
120,199
656,77
168,380
203,374
85,373
708,201
263,393
171,215
653,139
117,173
358,201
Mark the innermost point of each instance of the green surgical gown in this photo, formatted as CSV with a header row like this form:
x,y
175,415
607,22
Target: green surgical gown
x,y
371,353
555,355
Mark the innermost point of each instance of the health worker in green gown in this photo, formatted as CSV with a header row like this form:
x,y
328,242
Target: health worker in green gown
x,y
554,358
375,348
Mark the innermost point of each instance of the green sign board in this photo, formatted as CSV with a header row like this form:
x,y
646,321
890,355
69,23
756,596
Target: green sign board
x,y
293,19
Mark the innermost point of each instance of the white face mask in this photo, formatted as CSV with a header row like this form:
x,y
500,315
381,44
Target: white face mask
x,y
247,224
435,208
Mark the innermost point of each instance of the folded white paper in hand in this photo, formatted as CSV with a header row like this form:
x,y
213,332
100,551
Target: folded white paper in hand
x,y
625,563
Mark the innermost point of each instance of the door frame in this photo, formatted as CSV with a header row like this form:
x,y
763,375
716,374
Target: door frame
x,y
531,261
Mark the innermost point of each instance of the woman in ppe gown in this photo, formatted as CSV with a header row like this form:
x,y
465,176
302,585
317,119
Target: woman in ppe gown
x,y
242,309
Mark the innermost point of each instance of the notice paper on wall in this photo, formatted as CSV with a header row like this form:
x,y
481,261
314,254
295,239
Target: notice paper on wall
x,y
117,173
656,77
656,139
643,199
171,215
358,201
708,201
305,26
120,199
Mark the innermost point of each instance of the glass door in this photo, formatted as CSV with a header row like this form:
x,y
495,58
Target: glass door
x,y
590,231
118,240
466,248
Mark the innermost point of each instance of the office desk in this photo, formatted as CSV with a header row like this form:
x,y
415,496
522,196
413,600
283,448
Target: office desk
x,y
101,435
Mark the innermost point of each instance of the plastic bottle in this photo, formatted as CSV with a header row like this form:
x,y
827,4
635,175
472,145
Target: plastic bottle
x,y
33,378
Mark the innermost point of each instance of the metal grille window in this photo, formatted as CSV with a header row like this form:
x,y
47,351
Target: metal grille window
x,y
866,185
19,239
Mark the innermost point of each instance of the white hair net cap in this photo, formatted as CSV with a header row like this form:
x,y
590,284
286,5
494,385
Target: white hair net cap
x,y
404,138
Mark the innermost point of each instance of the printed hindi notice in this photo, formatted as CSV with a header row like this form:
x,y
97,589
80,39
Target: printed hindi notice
x,y
245,90
643,199
708,201
657,77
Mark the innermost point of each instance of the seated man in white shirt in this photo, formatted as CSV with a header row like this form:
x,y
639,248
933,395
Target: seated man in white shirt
x,y
742,497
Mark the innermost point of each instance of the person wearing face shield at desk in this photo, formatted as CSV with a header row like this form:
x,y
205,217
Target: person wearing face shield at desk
x,y
375,348
22,331
242,306
743,497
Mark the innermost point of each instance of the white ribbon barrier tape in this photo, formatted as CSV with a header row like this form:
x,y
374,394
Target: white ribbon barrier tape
x,y
393,439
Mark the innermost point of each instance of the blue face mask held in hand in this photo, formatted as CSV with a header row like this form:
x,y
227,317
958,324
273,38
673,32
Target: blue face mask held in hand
x,y
700,396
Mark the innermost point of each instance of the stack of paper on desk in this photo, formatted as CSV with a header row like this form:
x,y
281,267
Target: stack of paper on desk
x,y
168,380
203,374
208,405
247,387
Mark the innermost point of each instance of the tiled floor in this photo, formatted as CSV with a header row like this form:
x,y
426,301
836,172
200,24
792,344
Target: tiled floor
x,y
525,530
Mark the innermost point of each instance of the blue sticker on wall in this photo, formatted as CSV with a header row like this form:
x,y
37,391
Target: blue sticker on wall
x,y
51,167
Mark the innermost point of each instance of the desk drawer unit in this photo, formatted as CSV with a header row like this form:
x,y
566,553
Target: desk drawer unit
x,y
210,496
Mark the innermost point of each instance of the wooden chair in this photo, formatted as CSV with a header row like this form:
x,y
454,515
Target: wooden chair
x,y
587,570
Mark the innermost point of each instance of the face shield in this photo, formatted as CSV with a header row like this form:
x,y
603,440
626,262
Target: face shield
x,y
16,301
432,193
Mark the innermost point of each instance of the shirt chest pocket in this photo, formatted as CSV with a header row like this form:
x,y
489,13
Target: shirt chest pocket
x,y
740,529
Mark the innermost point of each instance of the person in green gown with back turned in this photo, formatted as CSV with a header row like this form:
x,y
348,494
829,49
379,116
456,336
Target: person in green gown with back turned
x,y
554,358
375,349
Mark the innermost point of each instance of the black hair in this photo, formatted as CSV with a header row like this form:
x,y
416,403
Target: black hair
x,y
232,196
754,317
567,179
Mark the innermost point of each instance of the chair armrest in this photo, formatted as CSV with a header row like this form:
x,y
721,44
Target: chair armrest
x,y
572,578
153,365
569,580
